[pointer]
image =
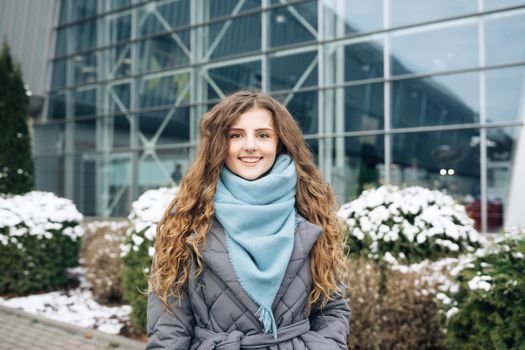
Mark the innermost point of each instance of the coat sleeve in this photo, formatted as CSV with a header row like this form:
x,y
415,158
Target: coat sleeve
x,y
167,330
332,322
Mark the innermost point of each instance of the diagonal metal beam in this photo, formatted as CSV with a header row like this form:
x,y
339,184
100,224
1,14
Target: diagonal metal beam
x,y
301,19
119,103
301,80
214,86
119,61
223,30
175,36
168,117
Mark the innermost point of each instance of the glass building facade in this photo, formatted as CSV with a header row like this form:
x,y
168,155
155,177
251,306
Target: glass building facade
x,y
401,92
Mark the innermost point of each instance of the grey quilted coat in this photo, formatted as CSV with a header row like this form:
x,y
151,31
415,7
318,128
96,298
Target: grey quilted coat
x,y
216,312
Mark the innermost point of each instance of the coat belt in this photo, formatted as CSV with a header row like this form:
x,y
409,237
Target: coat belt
x,y
236,340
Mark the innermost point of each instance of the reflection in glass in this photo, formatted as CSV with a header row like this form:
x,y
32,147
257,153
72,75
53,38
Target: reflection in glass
x,y
228,79
119,27
116,61
435,48
164,127
58,79
438,100
293,71
448,161
405,12
230,7
84,36
357,164
84,135
85,102
118,131
303,106
115,176
164,168
363,107
161,91
352,16
501,146
293,24
232,37
504,94
57,106
49,175
504,37
163,17
119,97
84,68
49,139
165,51
497,4
81,9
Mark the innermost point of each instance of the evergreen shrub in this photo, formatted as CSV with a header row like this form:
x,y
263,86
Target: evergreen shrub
x,y
487,308
138,249
39,239
410,225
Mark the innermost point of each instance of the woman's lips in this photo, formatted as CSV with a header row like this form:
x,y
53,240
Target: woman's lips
x,y
250,160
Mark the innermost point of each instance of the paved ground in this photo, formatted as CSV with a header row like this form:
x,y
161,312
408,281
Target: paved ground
x,y
24,331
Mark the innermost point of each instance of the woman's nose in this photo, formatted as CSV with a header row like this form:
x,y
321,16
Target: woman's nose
x,y
249,143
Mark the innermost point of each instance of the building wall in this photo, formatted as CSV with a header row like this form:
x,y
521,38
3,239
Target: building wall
x,y
27,25
397,92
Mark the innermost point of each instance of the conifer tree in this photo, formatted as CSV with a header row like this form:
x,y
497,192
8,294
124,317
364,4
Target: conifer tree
x,y
16,163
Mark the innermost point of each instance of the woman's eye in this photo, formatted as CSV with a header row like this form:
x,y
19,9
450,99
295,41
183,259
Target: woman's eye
x,y
234,136
264,135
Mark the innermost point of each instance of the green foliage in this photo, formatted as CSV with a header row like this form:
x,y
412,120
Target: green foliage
x,y
16,164
134,281
36,264
490,303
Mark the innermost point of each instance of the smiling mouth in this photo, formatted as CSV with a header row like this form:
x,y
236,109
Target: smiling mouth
x,y
250,160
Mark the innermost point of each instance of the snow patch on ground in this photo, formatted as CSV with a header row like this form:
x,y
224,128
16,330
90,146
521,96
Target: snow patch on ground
x,y
75,306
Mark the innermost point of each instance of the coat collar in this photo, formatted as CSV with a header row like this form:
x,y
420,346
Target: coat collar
x,y
216,258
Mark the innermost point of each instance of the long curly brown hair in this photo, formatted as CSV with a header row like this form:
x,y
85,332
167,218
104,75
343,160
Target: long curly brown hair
x,y
181,233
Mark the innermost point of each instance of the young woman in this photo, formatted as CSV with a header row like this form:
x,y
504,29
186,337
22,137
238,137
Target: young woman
x,y
249,253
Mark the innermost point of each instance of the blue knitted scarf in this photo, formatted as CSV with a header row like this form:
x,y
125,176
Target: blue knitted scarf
x,y
259,220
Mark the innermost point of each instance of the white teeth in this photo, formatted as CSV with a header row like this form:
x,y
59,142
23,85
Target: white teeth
x,y
250,160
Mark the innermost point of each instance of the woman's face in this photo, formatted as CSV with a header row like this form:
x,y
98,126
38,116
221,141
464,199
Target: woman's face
x,y
252,144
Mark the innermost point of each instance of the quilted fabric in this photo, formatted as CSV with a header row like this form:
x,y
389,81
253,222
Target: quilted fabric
x,y
216,313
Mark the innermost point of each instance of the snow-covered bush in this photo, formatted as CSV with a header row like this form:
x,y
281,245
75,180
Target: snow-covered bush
x,y
486,309
39,238
100,254
138,249
408,224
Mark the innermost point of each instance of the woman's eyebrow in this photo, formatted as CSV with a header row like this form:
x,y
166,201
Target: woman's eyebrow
x,y
259,129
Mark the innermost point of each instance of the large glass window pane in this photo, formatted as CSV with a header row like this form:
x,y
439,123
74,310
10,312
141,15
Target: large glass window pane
x,y
352,16
293,71
116,61
64,12
355,61
84,135
157,17
405,12
363,108
499,4
442,160
83,36
84,177
356,164
110,5
118,27
58,79
504,37
49,175
49,139
438,100
164,127
61,39
84,102
435,48
303,106
117,130
313,144
504,94
230,7
501,147
165,51
163,91
114,180
81,9
233,37
228,79
293,24
162,168
57,106
84,68
119,97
